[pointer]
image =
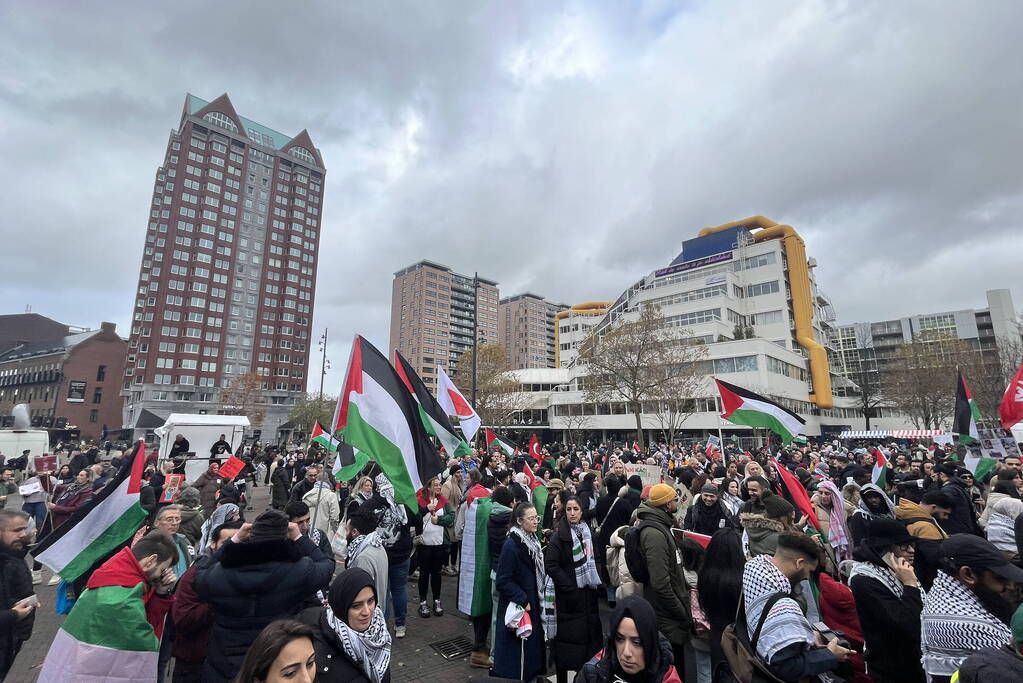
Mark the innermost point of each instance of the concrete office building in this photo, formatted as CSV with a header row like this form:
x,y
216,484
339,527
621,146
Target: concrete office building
x,y
526,329
432,314
228,271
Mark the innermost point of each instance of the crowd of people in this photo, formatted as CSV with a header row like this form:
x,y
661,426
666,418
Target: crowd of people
x,y
799,563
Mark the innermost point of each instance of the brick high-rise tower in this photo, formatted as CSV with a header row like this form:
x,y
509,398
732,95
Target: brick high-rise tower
x,y
229,268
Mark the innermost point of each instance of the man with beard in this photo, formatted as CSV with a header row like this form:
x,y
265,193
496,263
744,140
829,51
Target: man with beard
x,y
965,610
16,617
874,504
962,519
706,515
366,551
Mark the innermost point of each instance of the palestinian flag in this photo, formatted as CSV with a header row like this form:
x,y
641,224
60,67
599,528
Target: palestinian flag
x,y
320,436
433,416
377,415
981,467
794,492
495,441
100,526
474,596
540,495
878,475
743,407
453,403
966,414
348,462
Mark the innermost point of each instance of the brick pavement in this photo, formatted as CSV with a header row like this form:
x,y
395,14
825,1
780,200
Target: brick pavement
x,y
412,658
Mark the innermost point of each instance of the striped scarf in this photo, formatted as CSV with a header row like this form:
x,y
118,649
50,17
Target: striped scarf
x,y
785,624
582,557
370,648
954,625
544,585
880,574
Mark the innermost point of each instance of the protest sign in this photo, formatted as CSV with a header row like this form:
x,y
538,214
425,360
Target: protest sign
x,y
30,488
171,487
45,463
650,474
231,467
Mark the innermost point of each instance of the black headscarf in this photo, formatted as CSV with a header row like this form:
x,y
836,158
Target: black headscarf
x,y
642,613
346,587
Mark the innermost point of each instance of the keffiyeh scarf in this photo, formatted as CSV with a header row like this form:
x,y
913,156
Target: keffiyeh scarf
x,y
220,515
544,586
357,545
880,574
785,624
586,575
954,625
394,517
838,532
371,648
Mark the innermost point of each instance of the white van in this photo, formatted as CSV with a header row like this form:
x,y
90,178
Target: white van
x,y
14,441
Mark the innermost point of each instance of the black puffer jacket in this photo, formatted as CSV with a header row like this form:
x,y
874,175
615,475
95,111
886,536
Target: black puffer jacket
x,y
15,585
579,634
497,531
961,519
250,585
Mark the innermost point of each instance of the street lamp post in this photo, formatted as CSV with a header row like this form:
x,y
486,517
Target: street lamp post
x,y
475,329
324,363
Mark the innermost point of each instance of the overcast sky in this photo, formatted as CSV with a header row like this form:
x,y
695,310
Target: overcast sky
x,y
565,149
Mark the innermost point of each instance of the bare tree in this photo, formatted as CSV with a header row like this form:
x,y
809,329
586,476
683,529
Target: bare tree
x,y
636,361
865,375
575,423
312,409
498,394
677,396
245,396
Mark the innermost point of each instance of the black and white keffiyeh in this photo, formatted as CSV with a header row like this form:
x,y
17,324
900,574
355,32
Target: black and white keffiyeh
x,y
586,575
544,585
394,517
359,544
954,625
880,574
371,648
785,624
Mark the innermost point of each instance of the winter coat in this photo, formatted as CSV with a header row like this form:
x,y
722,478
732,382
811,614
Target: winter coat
x,y
401,549
617,569
838,611
453,492
618,514
280,490
191,524
324,508
248,586
579,633
332,663
961,519
514,657
15,585
193,618
598,669
373,561
762,533
923,525
667,590
63,508
704,519
497,531
824,513
208,484
992,664
992,498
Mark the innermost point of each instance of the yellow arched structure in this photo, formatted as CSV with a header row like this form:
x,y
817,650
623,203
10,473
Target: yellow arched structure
x,y
802,298
588,308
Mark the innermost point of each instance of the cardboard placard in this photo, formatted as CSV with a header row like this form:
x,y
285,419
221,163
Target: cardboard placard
x,y
30,488
45,463
650,474
231,467
172,487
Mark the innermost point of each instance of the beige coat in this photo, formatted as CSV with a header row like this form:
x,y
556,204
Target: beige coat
x,y
617,569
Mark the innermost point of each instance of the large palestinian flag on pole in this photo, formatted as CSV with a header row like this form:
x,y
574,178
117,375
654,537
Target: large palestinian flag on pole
x,y
100,526
495,441
434,417
474,596
966,414
453,403
378,416
743,407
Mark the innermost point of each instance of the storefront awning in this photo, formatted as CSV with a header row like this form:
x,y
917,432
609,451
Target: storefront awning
x,y
916,433
874,434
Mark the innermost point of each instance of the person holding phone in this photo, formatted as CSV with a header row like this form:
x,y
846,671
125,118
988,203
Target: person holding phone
x,y
17,607
888,602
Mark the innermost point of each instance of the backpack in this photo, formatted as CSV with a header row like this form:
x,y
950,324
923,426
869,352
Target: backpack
x,y
740,647
635,560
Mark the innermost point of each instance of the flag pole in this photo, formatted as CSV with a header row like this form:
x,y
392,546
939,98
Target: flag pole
x,y
475,329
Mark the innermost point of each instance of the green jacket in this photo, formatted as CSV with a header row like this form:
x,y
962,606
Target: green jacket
x,y
667,590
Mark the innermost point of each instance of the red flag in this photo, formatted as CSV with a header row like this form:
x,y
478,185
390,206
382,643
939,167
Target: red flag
x,y
702,539
635,446
528,471
1010,411
231,467
796,494
534,449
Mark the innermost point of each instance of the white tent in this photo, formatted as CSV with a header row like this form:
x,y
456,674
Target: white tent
x,y
202,431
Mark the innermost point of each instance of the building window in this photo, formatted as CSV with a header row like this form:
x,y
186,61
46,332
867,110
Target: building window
x,y
97,395
222,120
101,373
303,154
93,415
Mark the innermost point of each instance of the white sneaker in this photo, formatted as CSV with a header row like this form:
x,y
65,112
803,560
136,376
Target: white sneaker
x,y
54,580
399,631
37,577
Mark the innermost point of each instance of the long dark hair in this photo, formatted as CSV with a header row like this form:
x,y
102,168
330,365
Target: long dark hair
x,y
720,586
267,645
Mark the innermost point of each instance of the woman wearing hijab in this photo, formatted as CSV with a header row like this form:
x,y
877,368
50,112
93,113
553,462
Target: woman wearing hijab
x,y
635,651
519,653
874,504
73,496
570,563
350,635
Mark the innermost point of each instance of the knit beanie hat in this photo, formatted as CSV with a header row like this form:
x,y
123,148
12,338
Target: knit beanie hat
x,y
777,507
271,525
661,494
635,482
709,488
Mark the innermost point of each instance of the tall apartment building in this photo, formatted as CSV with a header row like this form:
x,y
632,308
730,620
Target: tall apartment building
x,y
229,267
526,328
432,313
863,349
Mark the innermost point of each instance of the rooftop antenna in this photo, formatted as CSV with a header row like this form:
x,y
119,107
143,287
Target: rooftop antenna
x,y
28,308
